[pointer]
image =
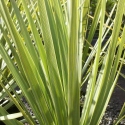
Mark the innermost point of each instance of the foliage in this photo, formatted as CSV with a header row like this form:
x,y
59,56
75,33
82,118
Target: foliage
x,y
47,53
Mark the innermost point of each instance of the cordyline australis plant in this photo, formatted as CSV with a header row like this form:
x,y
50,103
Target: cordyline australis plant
x,y
46,52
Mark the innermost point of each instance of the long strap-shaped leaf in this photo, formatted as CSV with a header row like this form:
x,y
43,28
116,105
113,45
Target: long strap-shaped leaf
x,y
4,113
53,60
29,68
103,85
92,80
62,43
83,21
73,83
92,31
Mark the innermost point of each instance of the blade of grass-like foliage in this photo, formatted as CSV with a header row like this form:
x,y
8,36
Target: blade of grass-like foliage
x,y
73,83
92,53
111,13
46,60
26,62
18,106
25,34
11,116
83,21
12,50
62,43
53,60
9,88
92,30
121,115
108,64
111,82
122,75
18,77
92,80
8,122
41,51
